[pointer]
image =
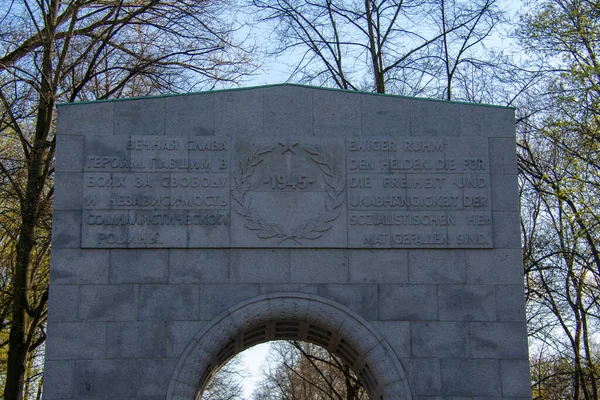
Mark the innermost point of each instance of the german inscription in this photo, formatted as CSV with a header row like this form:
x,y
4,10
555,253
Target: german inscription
x,y
401,192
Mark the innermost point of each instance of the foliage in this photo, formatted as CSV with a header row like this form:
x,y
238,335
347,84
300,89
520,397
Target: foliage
x,y
304,371
560,172
409,47
62,51
226,384
552,378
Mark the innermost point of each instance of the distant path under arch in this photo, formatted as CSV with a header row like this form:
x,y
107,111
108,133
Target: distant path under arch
x,y
291,316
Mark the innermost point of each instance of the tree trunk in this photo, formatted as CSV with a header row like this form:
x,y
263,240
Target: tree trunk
x,y
18,344
374,50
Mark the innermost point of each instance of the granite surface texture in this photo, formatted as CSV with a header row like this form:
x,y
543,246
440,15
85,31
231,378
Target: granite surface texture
x,y
189,228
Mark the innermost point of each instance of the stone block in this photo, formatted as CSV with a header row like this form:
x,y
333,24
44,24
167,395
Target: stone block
x,y
108,303
144,398
378,266
107,379
289,307
385,116
507,231
470,378
140,116
216,298
397,334
94,234
69,153
66,229
434,118
294,162
141,339
155,378
408,302
107,189
190,115
288,111
515,379
75,340
336,113
473,229
318,266
360,298
306,288
259,266
440,339
58,379
437,266
424,375
319,314
373,236
107,153
86,118
199,236
503,156
510,303
358,338
218,337
62,303
179,335
471,155
498,266
294,190
296,211
486,121
169,302
138,266
141,397
239,113
505,193
199,266
503,340
398,390
167,235
385,369
467,302
448,185
68,191
77,266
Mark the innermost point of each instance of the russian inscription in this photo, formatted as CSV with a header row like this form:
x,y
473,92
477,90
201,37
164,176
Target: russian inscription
x,y
399,192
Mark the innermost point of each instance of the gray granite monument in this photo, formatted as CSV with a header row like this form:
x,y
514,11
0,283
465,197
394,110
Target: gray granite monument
x,y
190,228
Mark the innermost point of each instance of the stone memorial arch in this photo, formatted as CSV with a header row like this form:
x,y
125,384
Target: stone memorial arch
x,y
189,228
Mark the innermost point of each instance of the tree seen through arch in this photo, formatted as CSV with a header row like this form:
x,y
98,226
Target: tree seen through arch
x,y
294,370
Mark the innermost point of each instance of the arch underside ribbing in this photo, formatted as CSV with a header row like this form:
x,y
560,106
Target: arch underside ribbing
x,y
291,316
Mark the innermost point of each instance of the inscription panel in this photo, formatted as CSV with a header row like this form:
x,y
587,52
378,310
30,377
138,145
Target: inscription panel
x,y
401,192
289,193
156,191
408,192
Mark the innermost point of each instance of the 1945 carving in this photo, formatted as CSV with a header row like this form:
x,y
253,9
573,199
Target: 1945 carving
x,y
311,229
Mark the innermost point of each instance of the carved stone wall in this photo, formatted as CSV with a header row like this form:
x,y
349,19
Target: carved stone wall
x,y
384,228
291,316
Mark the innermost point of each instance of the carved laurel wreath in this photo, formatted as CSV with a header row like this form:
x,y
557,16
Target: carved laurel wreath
x,y
315,227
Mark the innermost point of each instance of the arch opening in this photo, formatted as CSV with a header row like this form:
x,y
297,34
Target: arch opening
x,y
292,331
291,316
285,369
